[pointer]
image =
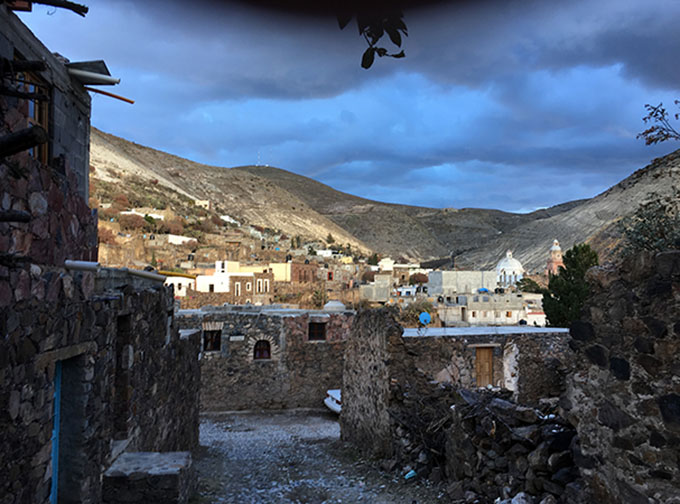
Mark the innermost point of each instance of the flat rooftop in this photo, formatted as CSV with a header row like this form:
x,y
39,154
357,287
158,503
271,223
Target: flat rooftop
x,y
481,331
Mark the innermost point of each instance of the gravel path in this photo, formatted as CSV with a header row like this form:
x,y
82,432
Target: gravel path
x,y
292,457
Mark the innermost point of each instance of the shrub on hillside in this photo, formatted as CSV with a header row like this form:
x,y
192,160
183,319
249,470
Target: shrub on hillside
x,y
105,235
132,222
175,226
109,213
121,202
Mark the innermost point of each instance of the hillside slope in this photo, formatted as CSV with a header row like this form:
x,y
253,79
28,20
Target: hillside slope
x,y
276,198
245,197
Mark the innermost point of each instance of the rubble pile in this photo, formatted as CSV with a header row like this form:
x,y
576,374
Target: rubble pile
x,y
420,420
498,449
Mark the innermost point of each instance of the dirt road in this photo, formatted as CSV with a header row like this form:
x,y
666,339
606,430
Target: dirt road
x,y
292,457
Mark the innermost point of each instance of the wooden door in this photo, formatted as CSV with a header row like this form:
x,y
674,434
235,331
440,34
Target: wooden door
x,y
484,366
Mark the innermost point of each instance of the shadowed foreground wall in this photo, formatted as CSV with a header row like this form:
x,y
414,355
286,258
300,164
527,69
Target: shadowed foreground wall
x,y
624,393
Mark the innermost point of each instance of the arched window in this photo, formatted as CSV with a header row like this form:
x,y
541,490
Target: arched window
x,y
262,350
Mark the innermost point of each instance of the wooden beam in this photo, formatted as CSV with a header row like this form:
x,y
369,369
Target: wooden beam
x,y
21,94
14,216
22,140
81,10
13,66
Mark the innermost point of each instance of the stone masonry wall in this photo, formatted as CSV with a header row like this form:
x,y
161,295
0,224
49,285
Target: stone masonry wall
x,y
374,340
66,321
61,225
624,391
298,373
68,107
397,398
541,360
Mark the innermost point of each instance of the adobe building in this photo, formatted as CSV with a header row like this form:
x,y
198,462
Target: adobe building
x,y
267,357
93,370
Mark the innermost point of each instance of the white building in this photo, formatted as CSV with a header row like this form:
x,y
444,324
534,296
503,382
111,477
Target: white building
x,y
509,270
181,284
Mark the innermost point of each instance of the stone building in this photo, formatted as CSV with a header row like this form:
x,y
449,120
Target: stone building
x,y
268,357
555,259
91,361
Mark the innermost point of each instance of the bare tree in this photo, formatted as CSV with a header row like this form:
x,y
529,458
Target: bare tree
x,y
661,129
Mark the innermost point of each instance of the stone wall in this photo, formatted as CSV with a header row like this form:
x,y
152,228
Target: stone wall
x,y
139,388
531,364
298,371
68,121
624,391
397,397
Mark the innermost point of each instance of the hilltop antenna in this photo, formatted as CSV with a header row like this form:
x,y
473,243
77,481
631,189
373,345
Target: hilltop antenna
x,y
258,157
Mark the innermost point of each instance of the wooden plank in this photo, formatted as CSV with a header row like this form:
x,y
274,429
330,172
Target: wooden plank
x,y
22,140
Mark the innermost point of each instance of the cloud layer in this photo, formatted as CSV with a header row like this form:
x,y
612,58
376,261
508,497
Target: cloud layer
x,y
511,105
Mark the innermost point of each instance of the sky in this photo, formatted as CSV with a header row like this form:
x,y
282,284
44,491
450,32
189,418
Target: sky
x,y
514,105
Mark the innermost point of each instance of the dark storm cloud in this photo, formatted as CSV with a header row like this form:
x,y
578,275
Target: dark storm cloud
x,y
528,103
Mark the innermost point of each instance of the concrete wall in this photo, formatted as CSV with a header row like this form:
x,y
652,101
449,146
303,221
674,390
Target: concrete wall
x,y
298,372
624,392
447,283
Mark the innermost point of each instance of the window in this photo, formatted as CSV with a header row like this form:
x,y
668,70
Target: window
x,y
179,286
249,286
211,288
259,285
212,341
237,289
474,314
38,110
317,331
330,275
485,299
266,285
262,350
475,299
508,314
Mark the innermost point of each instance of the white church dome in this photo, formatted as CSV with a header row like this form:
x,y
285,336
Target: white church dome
x,y
556,246
509,270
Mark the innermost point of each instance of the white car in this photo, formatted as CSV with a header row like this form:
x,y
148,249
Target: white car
x,y
333,400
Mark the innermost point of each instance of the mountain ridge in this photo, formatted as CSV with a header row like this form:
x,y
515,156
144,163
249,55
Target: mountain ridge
x,y
280,199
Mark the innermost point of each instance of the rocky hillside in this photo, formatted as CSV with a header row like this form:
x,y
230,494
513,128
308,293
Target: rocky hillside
x,y
245,197
275,198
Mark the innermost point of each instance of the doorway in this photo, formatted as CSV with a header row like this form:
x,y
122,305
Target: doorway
x,y
484,366
69,460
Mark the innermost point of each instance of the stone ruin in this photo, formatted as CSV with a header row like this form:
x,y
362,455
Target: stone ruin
x,y
608,432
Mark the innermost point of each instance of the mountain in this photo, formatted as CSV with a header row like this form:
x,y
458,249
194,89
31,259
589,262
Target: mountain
x,y
244,197
278,199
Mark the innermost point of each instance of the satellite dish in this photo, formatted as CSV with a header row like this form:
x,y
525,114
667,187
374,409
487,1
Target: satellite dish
x,y
425,318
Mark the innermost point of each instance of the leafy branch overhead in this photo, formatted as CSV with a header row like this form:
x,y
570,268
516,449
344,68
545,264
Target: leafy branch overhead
x,y
372,26
661,129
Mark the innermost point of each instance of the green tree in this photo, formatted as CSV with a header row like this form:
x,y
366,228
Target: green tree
x,y
529,285
655,225
373,260
329,239
568,290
